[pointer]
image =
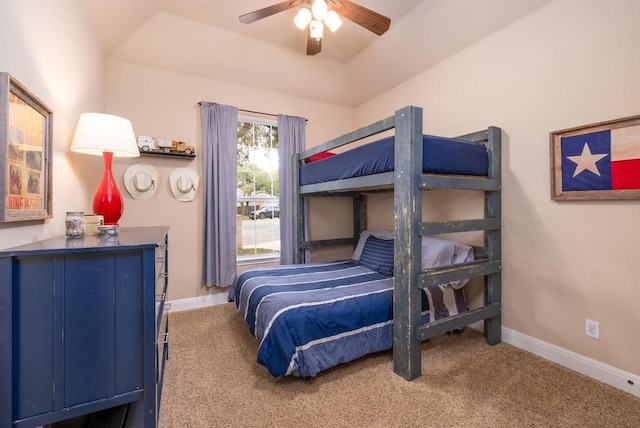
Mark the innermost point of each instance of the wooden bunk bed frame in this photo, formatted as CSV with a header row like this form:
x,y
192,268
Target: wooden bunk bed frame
x,y
408,182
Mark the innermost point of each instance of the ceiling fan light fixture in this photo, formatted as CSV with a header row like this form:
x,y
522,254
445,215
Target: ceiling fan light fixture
x,y
315,29
314,15
332,21
319,9
303,18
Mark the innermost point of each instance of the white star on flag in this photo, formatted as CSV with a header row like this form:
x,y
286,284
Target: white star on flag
x,y
586,161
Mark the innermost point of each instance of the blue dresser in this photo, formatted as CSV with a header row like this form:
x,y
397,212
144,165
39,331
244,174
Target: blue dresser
x,y
83,327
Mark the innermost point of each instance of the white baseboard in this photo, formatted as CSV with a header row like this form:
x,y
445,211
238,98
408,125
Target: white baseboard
x,y
604,373
197,302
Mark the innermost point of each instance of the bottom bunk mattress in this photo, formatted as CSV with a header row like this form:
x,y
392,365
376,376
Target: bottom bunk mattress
x,y
311,317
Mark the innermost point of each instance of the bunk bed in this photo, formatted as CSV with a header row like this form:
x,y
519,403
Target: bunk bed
x,y
406,163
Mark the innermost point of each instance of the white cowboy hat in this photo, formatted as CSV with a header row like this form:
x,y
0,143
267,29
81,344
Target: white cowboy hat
x,y
141,181
184,184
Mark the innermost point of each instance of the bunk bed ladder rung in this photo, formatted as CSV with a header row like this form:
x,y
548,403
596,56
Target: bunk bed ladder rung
x,y
321,243
452,273
453,322
438,227
428,181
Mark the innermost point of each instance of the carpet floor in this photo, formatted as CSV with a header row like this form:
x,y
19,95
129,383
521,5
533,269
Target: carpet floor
x,y
213,380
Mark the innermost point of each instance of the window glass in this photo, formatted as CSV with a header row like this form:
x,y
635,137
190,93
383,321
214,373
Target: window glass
x,y
258,211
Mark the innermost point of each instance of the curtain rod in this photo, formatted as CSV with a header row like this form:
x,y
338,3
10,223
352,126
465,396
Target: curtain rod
x,y
264,114
257,112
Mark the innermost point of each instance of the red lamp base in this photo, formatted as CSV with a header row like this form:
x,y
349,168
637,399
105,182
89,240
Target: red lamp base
x,y
107,201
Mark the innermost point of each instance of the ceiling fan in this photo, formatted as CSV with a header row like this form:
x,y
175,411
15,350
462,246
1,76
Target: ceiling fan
x,y
320,14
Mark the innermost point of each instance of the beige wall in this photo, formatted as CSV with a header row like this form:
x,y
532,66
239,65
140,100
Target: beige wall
x,y
571,63
164,104
48,48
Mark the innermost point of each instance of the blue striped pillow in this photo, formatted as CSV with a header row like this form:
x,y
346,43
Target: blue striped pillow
x,y
377,254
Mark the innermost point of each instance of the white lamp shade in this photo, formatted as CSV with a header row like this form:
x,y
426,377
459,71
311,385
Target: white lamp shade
x,y
303,18
319,9
97,133
332,21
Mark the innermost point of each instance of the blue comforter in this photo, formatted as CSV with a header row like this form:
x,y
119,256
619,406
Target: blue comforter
x,y
439,156
312,317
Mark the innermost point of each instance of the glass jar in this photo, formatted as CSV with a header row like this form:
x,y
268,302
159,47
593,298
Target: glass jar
x,y
74,224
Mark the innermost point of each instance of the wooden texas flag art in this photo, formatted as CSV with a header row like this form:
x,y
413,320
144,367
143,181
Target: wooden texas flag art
x,y
597,162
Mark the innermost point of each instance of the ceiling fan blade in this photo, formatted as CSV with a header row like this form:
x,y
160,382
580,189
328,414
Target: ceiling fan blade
x,y
254,16
364,17
313,45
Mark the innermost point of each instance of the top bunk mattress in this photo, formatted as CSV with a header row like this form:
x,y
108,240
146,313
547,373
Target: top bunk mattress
x,y
440,155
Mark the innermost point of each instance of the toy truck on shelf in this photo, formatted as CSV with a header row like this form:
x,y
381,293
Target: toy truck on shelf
x,y
149,144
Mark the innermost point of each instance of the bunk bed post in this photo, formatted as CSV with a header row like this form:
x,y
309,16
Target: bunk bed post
x,y
298,212
359,216
407,295
493,210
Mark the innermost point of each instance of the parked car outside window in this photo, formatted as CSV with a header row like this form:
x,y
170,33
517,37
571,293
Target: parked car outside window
x,y
266,212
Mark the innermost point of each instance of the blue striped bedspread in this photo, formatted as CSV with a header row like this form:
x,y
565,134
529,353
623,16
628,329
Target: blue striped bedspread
x,y
311,317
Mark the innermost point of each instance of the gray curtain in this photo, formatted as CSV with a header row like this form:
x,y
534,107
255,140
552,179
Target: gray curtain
x,y
219,134
291,140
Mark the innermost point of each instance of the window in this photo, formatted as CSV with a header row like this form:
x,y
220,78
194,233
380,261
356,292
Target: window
x,y
258,219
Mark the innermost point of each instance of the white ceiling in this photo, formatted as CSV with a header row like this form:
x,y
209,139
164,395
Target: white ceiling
x,y
205,38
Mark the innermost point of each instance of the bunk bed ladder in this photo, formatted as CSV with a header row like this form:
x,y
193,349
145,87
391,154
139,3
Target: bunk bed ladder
x,y
409,278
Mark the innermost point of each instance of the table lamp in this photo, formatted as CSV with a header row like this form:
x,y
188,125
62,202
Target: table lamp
x,y
109,136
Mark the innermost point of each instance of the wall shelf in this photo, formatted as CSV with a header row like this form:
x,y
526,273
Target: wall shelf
x,y
159,154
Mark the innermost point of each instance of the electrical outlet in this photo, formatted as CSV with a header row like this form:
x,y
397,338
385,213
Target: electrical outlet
x,y
592,328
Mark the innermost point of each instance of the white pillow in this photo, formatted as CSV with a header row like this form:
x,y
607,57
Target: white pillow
x,y
435,252
442,252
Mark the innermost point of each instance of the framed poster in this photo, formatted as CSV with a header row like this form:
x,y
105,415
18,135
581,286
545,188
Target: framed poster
x,y
599,161
25,162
